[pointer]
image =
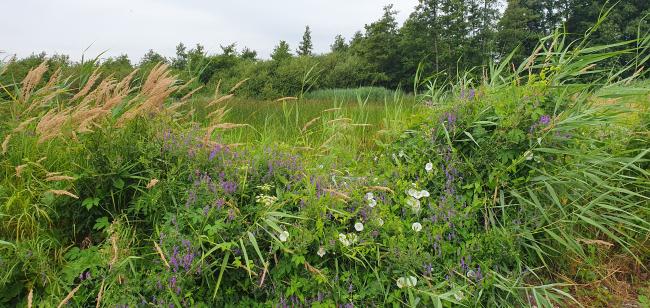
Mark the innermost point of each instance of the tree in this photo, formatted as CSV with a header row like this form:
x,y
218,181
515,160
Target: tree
x,y
339,44
281,52
521,26
378,46
248,54
152,57
229,50
180,61
306,46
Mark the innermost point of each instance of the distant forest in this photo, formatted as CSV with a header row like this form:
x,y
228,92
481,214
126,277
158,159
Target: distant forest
x,y
440,37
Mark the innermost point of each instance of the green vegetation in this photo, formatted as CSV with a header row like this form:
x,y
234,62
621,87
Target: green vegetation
x,y
528,185
442,38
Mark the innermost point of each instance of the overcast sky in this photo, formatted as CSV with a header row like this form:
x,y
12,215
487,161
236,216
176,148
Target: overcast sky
x,y
134,26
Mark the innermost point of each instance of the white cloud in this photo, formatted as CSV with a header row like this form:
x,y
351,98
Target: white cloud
x,y
135,26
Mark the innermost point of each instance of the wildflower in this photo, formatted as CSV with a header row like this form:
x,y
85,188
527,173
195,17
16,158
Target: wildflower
x,y
428,167
372,203
414,204
321,251
545,120
358,226
471,274
416,226
344,239
265,187
370,196
284,235
266,199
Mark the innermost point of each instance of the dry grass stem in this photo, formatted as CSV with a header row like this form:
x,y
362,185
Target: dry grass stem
x,y
68,297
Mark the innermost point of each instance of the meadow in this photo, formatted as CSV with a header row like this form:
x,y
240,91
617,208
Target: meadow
x,y
524,185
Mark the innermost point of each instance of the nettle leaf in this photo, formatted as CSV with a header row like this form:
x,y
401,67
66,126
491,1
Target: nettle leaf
x,y
89,203
101,223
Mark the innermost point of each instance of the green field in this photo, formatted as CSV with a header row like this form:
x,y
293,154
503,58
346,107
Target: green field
x,y
526,186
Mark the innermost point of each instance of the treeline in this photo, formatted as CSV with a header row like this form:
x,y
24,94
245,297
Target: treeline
x,y
442,37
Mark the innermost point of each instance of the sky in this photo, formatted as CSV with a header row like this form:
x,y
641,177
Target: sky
x,y
132,27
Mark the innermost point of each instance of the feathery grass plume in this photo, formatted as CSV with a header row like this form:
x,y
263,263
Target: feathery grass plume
x,y
189,94
24,124
53,79
94,76
229,125
288,98
19,170
237,85
152,183
32,79
5,144
161,254
220,99
332,109
55,178
218,114
68,297
217,88
309,123
157,87
337,194
60,192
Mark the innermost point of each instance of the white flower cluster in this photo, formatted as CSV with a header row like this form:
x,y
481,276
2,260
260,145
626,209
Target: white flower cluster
x,y
348,239
414,197
265,187
371,199
408,282
266,199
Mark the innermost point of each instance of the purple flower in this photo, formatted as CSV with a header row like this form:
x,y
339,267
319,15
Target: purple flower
x,y
545,120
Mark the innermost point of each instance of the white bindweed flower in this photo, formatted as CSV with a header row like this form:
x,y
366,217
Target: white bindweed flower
x,y
416,226
370,196
428,167
401,282
414,204
321,251
380,222
372,203
284,235
358,226
471,274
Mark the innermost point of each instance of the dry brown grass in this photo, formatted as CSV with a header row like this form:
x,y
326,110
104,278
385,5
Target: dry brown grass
x,y
33,78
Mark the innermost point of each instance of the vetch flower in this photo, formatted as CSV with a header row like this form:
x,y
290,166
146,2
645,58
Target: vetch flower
x,y
321,251
284,235
358,226
416,226
428,167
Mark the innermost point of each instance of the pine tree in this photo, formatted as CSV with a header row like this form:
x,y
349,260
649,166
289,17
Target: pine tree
x,y
281,51
339,44
306,46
